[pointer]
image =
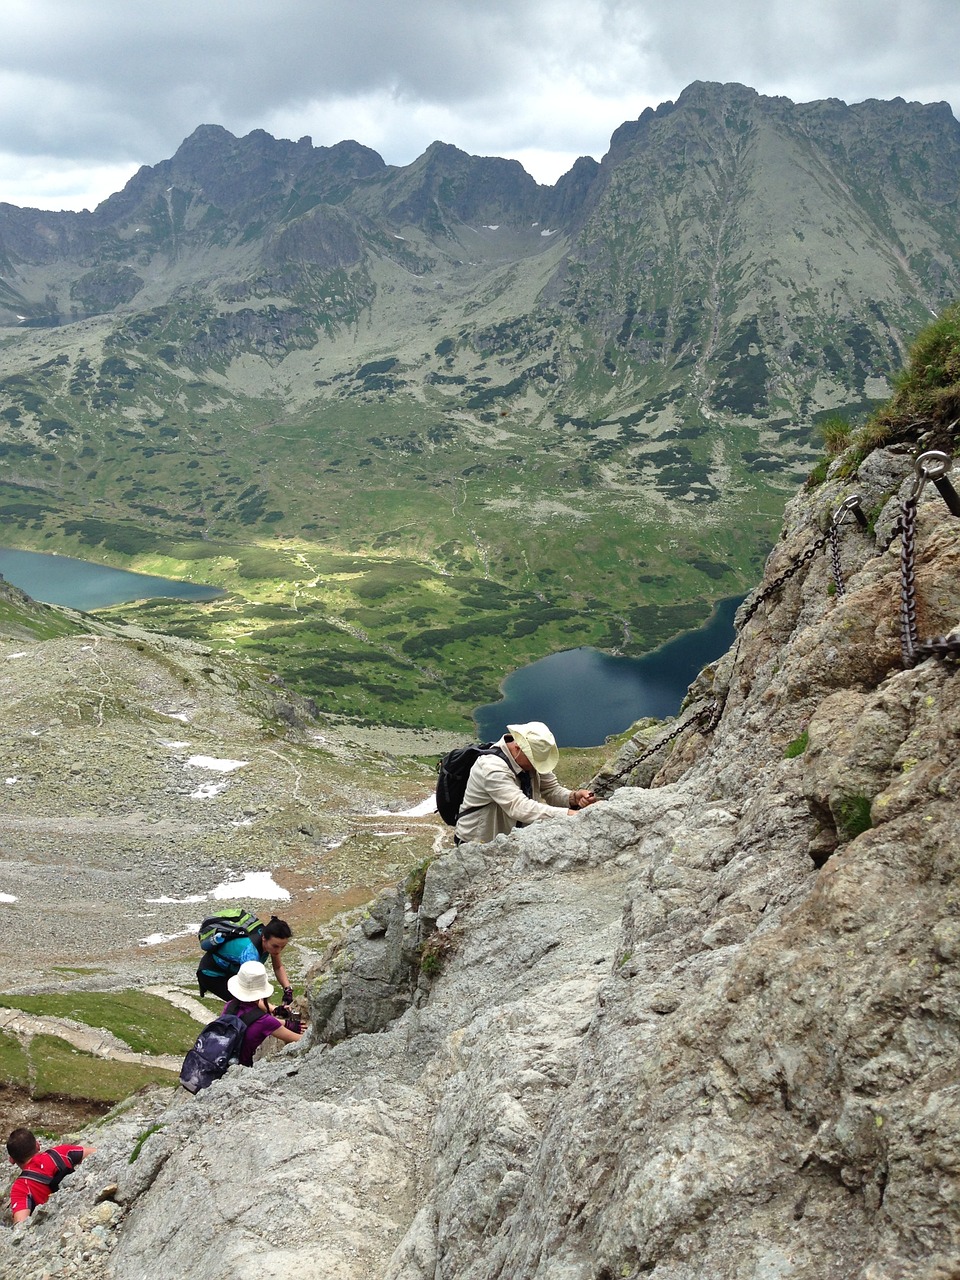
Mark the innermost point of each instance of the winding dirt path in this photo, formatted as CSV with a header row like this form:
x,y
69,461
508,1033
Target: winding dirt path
x,y
95,1040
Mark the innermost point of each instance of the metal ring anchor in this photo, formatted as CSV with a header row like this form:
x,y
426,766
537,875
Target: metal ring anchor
x,y
934,465
848,505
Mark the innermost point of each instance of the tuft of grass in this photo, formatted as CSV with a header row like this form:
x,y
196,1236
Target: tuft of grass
x,y
435,952
138,1145
836,433
852,816
797,747
416,879
926,395
818,474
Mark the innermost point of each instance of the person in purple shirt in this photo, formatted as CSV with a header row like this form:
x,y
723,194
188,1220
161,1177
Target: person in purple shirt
x,y
250,990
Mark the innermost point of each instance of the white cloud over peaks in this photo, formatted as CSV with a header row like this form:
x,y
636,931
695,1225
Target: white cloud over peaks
x,y
91,89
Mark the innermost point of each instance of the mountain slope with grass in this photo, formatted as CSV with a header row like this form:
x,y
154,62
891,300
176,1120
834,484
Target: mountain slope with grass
x,y
439,420
707,1027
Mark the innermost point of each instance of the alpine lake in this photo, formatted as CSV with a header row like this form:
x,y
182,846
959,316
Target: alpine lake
x,y
584,695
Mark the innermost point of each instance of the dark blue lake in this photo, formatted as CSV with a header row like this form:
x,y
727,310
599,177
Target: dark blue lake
x,y
585,695
81,584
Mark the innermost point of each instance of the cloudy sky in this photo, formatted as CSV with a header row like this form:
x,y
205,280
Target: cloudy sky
x,y
92,89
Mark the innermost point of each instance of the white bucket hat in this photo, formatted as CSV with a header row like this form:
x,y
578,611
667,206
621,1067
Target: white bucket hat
x,y
537,743
250,982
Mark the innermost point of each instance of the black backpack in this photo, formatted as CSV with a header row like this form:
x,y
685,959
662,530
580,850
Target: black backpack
x,y
218,1045
453,771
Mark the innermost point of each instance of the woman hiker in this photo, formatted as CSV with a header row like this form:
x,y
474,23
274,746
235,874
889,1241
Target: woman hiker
x,y
224,959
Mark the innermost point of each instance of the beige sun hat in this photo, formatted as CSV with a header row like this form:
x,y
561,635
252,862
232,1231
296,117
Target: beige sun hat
x,y
250,982
537,743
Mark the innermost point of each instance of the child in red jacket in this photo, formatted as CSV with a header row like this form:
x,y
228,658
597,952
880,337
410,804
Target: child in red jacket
x,y
41,1171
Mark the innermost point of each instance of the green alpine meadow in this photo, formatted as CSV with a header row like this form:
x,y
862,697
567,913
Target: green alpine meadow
x,y
426,424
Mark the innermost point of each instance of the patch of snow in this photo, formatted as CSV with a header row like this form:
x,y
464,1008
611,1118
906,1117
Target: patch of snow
x,y
11,781
8,897
173,715
420,810
15,655
154,939
495,227
207,790
548,233
193,897
254,884
396,237
219,766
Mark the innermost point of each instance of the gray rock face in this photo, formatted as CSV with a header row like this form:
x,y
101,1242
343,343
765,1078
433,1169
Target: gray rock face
x,y
708,1028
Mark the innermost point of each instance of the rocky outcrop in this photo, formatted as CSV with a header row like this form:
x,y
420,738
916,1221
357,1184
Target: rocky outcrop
x,y
708,1028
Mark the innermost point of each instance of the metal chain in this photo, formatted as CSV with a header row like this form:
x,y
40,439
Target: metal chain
x,y
810,552
908,586
849,506
834,535
709,713
929,466
934,466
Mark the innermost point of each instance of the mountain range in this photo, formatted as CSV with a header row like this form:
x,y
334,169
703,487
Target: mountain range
x,y
439,419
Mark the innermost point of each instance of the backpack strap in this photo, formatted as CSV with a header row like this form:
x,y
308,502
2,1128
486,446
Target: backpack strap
x,y
248,1018
475,808
51,1180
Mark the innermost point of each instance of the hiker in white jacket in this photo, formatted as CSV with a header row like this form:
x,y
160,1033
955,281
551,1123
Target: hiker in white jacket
x,y
515,785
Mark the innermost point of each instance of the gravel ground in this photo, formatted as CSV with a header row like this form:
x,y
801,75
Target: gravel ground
x,y
138,773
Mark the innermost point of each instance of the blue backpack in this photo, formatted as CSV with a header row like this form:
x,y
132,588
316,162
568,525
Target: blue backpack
x,y
218,1047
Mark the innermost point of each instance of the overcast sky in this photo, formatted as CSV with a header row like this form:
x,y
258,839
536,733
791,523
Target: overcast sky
x,y
90,90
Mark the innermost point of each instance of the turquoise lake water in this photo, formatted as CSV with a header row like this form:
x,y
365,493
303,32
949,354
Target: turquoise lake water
x,y
81,584
585,695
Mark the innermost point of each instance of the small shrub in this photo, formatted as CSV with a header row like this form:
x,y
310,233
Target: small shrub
x,y
435,952
818,474
797,747
852,816
413,885
836,435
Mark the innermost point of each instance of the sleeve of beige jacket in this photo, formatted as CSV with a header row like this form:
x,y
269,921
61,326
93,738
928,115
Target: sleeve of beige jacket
x,y
493,779
552,792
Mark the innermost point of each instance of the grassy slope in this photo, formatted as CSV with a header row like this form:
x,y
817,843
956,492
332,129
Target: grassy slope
x,y
395,556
